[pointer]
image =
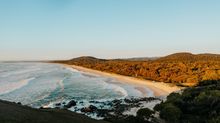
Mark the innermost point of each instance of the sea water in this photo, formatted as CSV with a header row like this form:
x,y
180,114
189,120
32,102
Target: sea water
x,y
44,84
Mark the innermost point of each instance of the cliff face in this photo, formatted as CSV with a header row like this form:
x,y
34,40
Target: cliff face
x,y
184,69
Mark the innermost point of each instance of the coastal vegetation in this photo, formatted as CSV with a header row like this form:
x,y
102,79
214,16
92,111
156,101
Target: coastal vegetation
x,y
182,69
199,104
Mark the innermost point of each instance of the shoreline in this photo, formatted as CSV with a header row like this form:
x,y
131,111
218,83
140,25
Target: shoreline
x,y
159,88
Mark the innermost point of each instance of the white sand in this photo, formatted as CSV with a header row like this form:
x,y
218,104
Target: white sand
x,y
159,88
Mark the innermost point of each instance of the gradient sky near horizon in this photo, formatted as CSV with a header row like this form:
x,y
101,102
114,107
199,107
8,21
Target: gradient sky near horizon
x,y
62,29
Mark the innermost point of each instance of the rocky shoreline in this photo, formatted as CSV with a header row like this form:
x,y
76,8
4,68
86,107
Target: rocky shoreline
x,y
107,110
11,111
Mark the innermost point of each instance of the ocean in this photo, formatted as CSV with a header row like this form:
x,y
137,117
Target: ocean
x,y
45,84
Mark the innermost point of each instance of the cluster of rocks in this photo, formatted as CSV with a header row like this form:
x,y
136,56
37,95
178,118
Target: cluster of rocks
x,y
120,106
116,107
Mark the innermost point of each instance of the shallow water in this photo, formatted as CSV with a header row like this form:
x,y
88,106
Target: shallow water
x,y
44,84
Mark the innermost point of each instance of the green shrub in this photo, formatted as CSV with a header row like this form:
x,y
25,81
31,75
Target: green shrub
x,y
171,113
145,113
200,104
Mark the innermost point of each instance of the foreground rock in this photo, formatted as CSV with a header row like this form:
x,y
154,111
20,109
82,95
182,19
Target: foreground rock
x,y
16,113
91,108
70,104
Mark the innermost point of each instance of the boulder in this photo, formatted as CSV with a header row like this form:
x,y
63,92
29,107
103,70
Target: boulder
x,y
91,108
116,102
86,109
58,104
70,104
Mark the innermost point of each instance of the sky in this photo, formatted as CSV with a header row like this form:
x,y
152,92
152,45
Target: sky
x,y
63,29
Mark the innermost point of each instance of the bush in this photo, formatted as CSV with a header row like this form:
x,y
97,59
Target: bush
x,y
145,113
171,113
196,104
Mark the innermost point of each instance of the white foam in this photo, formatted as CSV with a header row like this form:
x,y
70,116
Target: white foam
x,y
150,105
116,88
19,72
150,93
71,69
121,90
11,86
60,83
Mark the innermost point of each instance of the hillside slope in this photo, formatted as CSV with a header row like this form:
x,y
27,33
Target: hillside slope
x,y
15,113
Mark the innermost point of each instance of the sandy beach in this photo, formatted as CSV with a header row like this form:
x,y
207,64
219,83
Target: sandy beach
x,y
158,88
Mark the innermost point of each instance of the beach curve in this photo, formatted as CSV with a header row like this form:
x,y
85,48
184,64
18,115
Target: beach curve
x,y
160,89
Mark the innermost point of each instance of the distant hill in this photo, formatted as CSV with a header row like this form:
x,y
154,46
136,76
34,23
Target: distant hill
x,y
88,59
183,56
184,69
190,57
141,59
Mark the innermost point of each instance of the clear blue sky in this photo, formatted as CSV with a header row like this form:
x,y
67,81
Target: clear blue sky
x,y
62,29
